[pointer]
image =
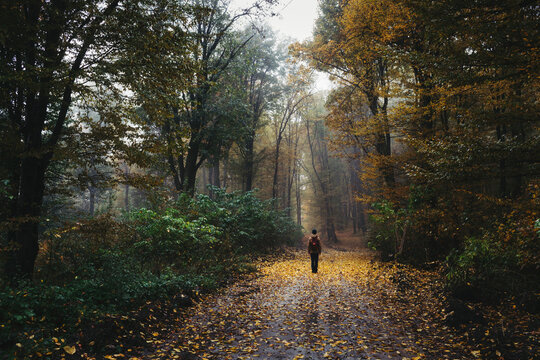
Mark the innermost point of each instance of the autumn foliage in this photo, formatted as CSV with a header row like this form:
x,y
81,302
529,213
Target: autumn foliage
x,y
152,151
439,103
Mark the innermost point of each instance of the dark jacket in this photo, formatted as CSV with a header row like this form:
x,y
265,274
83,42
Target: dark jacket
x,y
314,244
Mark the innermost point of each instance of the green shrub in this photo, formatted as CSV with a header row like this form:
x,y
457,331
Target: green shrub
x,y
171,240
109,265
502,262
387,229
483,270
45,310
76,249
249,223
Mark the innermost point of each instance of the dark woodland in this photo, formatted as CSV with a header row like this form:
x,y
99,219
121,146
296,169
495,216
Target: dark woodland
x,y
163,163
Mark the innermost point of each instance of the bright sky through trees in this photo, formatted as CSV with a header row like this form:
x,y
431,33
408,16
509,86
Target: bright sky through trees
x,y
294,19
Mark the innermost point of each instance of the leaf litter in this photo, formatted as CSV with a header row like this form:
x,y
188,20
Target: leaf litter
x,y
353,308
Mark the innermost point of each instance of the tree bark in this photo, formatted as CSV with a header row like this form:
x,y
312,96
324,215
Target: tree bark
x,y
249,161
354,217
216,181
189,175
92,200
126,198
330,228
276,172
290,177
298,199
126,193
45,51
225,171
205,175
28,211
214,174
383,139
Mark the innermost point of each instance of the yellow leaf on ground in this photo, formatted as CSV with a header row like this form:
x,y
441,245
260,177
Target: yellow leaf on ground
x,y
70,349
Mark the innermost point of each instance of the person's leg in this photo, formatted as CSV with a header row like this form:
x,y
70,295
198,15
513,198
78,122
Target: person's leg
x,y
313,263
316,262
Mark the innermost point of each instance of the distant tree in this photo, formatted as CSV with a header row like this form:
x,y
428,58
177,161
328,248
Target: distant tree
x,y
443,98
259,64
296,92
192,124
346,45
318,152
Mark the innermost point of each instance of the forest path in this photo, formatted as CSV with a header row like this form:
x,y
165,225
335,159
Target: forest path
x,y
351,309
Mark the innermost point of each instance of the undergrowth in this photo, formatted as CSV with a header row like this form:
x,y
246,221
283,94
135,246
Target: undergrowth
x,y
110,265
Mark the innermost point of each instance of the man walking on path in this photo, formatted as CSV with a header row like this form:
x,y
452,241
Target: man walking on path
x,y
314,249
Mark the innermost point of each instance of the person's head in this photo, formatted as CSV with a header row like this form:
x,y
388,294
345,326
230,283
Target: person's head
x,y
314,231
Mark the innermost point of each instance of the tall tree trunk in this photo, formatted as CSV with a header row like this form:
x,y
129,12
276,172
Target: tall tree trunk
x,y
354,217
501,135
126,198
225,171
38,146
276,173
289,194
290,179
214,174
191,166
216,180
292,141
383,139
355,189
344,215
298,199
28,212
424,99
360,208
92,189
362,224
205,171
330,228
210,174
92,199
126,193
248,161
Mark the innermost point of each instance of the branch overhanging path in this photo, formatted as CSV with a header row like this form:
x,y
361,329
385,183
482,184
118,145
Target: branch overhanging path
x,y
351,309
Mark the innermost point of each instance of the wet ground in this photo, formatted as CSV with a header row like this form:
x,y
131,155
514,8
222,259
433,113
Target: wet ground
x,y
351,309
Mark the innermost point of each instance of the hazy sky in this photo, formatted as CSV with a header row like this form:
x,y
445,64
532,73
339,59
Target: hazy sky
x,y
295,20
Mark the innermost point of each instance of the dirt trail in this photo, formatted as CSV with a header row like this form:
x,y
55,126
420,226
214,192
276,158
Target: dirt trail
x,y
351,309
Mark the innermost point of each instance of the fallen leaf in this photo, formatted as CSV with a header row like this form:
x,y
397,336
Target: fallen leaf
x,y
70,349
